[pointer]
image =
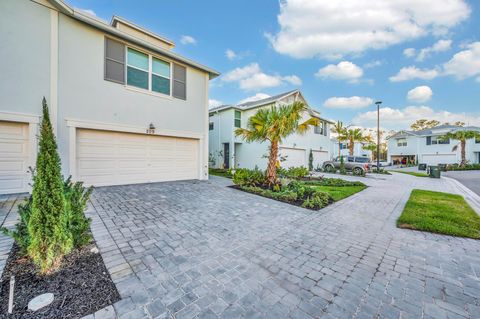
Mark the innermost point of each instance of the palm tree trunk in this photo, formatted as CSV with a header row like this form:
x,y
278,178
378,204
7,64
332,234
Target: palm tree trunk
x,y
350,147
462,152
272,164
339,149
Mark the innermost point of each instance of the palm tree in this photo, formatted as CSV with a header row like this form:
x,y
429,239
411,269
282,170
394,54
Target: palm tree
x,y
275,124
352,136
461,135
339,129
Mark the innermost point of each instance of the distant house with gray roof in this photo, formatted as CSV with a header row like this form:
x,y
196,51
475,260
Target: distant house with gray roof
x,y
427,146
229,151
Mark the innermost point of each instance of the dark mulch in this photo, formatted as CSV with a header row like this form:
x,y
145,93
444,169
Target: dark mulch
x,y
81,286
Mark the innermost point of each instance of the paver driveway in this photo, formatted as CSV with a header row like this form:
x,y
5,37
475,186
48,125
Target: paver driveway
x,y
188,249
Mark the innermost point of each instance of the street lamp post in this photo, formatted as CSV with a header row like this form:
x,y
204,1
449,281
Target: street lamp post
x,y
378,135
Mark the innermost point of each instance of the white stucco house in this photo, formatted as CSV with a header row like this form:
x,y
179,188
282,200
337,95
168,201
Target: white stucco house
x,y
344,151
229,151
427,147
124,106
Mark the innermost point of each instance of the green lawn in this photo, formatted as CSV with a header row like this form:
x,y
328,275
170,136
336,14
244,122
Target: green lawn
x,y
418,174
219,172
340,192
441,213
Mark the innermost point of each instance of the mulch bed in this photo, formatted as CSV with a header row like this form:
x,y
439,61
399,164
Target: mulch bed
x,y
81,286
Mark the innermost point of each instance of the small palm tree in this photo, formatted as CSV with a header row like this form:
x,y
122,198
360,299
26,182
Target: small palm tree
x,y
461,135
353,136
340,130
275,124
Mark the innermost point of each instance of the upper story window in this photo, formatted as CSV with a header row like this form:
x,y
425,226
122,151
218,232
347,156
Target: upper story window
x,y
401,142
318,129
343,146
477,140
436,140
238,119
210,126
130,66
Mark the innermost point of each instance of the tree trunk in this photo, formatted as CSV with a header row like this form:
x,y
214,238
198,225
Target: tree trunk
x,y
351,145
272,164
462,153
339,148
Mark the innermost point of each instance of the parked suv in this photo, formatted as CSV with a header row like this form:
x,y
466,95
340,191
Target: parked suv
x,y
356,164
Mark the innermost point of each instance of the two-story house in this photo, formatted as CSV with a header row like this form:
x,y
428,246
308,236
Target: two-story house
x,y
230,151
428,146
124,106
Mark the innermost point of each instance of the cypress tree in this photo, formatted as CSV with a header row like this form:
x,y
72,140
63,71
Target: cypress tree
x,y
50,239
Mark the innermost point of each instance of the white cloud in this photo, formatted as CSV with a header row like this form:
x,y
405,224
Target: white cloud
x,y
353,102
412,72
214,103
187,39
439,46
230,54
256,97
251,77
394,118
87,11
372,64
334,29
409,52
420,94
465,63
344,70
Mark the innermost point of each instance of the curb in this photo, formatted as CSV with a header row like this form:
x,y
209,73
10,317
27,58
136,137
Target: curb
x,y
472,198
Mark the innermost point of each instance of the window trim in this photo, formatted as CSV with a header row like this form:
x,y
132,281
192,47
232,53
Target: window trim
x,y
237,119
435,140
404,142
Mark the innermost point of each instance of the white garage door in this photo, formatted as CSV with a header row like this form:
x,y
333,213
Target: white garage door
x,y
294,157
14,150
435,159
319,157
115,158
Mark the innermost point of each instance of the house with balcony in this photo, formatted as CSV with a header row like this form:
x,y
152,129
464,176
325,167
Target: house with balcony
x,y
428,146
125,107
229,151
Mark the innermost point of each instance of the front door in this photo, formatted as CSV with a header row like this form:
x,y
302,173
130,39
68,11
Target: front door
x,y
226,157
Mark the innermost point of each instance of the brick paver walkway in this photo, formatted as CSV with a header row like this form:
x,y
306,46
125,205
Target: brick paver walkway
x,y
200,249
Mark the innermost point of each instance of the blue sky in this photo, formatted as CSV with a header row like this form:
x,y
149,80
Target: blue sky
x,y
341,54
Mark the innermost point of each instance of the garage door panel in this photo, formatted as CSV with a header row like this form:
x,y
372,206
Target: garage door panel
x,y
435,159
319,157
135,158
294,157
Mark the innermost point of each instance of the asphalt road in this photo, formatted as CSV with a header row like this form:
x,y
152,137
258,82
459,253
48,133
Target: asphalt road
x,y
471,179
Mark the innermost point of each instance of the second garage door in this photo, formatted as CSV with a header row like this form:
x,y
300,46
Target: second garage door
x,y
115,158
319,157
435,159
292,157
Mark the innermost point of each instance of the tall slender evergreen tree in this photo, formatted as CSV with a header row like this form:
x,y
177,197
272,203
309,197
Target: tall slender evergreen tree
x,y
49,237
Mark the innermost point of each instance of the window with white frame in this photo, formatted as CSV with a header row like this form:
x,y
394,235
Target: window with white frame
x,y
318,129
437,140
238,119
147,72
401,142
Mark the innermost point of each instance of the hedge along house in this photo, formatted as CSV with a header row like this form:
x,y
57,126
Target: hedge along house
x,y
125,108
427,146
229,151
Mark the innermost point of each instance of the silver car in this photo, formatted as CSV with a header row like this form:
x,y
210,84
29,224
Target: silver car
x,y
356,164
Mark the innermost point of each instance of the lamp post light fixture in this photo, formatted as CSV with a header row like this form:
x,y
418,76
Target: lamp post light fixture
x,y
378,135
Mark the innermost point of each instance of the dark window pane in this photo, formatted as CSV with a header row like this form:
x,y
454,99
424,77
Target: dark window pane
x,y
137,78
160,84
238,123
114,71
179,90
210,126
115,50
179,73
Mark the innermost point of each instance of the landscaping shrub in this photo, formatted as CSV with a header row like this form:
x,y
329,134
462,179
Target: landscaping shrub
x,y
249,177
310,161
316,200
466,167
342,169
293,172
52,221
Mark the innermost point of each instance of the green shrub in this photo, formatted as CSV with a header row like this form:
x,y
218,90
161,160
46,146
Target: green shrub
x,y
20,234
249,177
332,182
310,161
342,169
293,172
316,200
466,167
76,202
47,226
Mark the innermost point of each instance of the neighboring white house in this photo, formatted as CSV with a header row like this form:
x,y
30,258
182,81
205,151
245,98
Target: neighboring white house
x,y
357,149
125,107
428,147
229,151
